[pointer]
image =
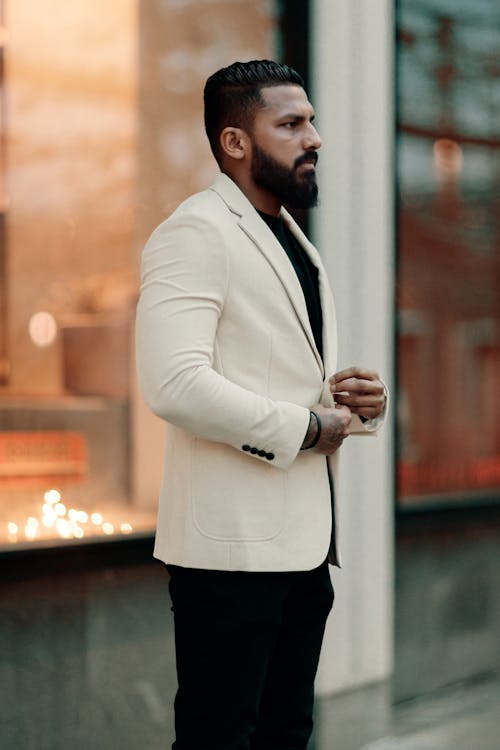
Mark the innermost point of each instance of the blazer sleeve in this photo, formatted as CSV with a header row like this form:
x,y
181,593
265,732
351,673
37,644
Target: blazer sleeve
x,y
185,277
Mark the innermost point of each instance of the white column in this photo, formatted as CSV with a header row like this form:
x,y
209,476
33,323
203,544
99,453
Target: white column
x,y
352,48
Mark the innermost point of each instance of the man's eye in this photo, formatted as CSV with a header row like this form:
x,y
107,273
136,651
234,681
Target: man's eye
x,y
291,124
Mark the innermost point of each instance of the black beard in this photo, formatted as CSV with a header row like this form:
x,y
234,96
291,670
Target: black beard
x,y
292,190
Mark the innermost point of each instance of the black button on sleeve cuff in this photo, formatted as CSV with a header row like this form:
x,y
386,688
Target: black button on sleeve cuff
x,y
257,452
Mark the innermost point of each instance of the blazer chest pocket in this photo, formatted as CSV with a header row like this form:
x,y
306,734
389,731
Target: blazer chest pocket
x,y
236,497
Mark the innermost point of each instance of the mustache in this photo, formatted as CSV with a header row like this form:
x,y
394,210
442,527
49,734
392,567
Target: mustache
x,y
308,157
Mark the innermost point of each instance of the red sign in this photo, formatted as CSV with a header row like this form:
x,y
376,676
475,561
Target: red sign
x,y
38,456
435,477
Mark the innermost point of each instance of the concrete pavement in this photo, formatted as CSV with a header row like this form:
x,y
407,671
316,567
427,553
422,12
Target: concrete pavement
x,y
462,717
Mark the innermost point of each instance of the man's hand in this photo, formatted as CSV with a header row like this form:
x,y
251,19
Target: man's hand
x,y
360,390
335,423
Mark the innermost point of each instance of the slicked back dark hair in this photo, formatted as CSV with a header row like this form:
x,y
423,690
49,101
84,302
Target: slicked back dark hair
x,y
233,94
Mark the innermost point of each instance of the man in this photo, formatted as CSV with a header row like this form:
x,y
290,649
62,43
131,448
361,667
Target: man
x,y
237,352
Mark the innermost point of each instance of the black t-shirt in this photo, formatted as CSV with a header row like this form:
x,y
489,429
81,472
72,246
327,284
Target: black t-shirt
x,y
306,271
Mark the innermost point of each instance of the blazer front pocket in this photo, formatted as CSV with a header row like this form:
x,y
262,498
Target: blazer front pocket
x,y
236,497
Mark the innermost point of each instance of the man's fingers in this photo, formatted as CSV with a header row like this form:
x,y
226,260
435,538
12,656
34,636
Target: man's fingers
x,y
370,412
353,399
354,372
358,385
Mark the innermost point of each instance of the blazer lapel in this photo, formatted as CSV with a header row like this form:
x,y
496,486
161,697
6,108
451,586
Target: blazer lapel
x,y
258,231
327,305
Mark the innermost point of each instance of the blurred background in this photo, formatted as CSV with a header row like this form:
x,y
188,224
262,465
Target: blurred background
x,y
101,137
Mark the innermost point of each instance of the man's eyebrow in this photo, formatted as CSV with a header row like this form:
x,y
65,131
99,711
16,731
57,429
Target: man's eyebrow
x,y
297,116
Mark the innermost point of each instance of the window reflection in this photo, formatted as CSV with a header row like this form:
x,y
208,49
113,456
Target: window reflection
x,y
448,156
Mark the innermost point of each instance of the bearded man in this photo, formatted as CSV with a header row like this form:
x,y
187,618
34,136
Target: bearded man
x,y
237,352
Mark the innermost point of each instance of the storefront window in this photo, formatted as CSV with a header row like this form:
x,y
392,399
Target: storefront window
x,y
101,137
448,168
68,274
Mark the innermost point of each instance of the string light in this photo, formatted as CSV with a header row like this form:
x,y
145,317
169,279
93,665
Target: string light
x,y
52,496
72,523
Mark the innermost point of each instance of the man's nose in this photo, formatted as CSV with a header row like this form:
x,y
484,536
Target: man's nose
x,y
312,138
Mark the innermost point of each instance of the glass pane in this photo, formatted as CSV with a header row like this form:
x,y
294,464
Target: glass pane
x,y
101,137
68,273
448,158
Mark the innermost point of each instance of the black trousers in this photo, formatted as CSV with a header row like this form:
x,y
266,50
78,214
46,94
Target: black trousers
x,y
247,650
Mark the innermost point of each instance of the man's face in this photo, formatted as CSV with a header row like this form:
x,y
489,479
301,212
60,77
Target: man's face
x,y
284,145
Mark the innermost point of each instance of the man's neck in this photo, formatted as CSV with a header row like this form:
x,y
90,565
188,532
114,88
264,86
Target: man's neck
x,y
271,218
260,199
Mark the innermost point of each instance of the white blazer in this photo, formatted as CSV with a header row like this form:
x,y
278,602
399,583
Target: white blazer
x,y
226,356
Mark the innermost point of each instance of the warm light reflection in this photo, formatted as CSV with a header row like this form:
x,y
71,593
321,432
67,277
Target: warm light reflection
x,y
63,528
55,517
448,158
31,528
52,496
42,328
4,36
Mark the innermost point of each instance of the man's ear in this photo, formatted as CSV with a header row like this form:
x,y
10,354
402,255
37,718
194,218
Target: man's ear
x,y
234,143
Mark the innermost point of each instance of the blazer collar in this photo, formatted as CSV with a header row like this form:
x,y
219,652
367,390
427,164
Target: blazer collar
x,y
258,231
